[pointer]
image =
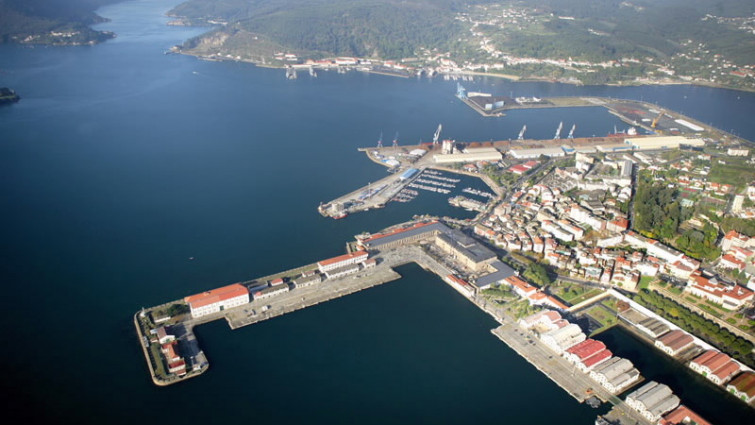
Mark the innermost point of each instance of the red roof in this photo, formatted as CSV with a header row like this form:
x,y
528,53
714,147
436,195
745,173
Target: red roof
x,y
216,295
455,279
727,370
587,348
596,358
520,284
703,358
683,415
170,352
344,257
745,383
556,303
397,231
177,363
716,362
621,223
676,339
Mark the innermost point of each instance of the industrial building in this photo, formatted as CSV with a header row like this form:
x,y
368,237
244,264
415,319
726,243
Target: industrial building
x,y
342,271
716,366
586,349
305,281
536,153
683,415
653,327
217,300
652,400
402,236
743,387
408,174
270,292
465,250
469,155
662,142
341,261
674,342
615,374
544,320
564,338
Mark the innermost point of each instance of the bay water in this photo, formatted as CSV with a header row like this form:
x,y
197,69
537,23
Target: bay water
x,y
121,164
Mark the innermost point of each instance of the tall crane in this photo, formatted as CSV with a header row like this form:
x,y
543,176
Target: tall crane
x,y
558,130
380,140
571,132
521,133
658,118
437,134
395,140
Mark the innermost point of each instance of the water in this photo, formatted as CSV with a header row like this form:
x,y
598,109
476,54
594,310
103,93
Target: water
x,y
121,162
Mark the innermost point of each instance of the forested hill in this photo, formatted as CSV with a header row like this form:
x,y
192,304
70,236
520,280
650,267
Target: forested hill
x,y
596,30
381,28
51,21
593,41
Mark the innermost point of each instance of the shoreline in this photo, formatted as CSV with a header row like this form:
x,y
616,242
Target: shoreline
x,y
509,77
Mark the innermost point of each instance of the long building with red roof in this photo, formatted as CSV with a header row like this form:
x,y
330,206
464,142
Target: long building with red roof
x,y
674,342
716,366
342,261
743,386
583,350
402,235
683,415
217,300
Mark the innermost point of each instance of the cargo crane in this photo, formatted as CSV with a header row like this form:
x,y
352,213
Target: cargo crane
x,y
558,130
656,119
521,133
437,135
571,132
395,140
380,140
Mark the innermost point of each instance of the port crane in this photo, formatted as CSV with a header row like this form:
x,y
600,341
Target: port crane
x,y
656,119
437,134
380,140
395,140
521,133
571,132
558,130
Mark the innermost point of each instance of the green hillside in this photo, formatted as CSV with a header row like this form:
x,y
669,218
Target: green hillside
x,y
38,21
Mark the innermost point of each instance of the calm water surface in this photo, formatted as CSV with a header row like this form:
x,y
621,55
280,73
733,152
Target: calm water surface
x,y
121,162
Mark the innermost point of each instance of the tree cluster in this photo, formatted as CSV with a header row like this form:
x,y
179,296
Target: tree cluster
x,y
538,274
657,212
